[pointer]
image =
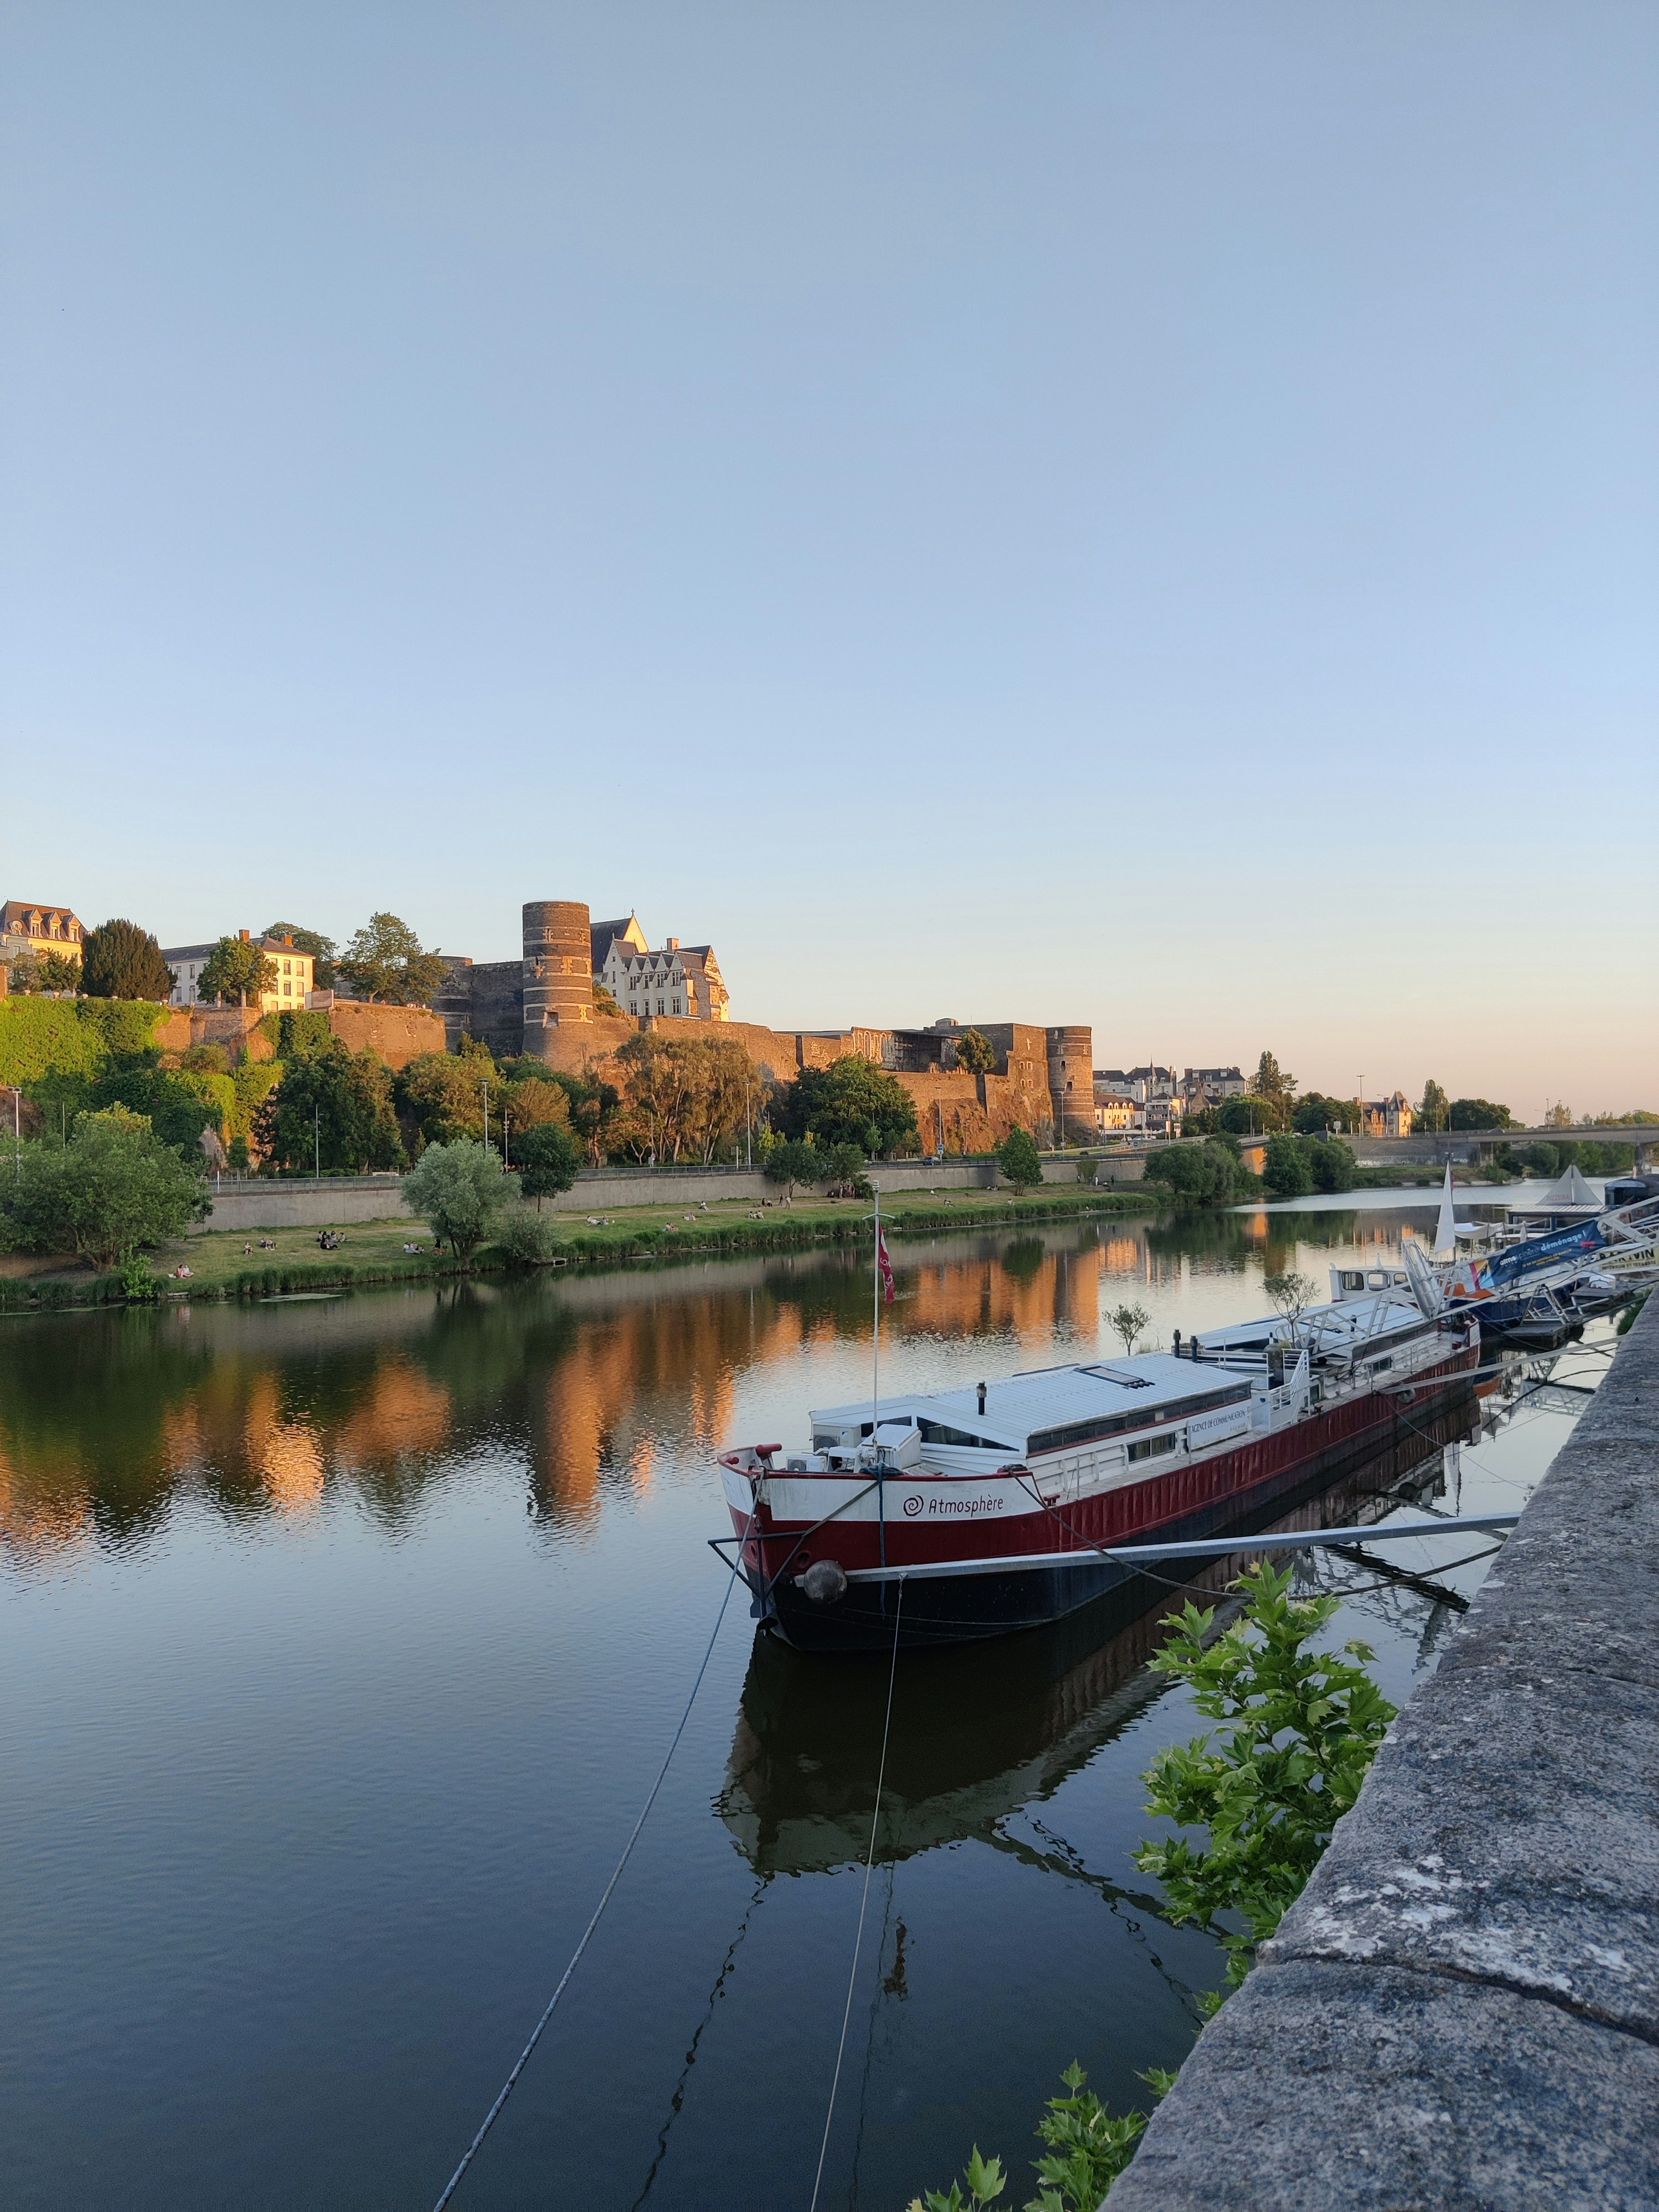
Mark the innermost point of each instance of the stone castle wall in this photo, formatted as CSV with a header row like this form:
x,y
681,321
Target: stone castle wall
x,y
543,1006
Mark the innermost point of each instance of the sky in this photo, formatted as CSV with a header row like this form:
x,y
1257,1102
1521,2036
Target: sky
x,y
1146,515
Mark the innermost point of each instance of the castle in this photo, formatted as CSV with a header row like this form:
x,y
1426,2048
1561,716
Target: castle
x,y
543,1006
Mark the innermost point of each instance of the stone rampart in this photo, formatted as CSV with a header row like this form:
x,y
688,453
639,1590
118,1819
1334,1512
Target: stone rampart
x,y
1462,2010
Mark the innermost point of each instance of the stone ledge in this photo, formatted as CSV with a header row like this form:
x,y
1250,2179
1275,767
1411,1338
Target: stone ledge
x,y
1462,2008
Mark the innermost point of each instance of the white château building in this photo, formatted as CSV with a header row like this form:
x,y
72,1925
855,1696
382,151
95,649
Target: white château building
x,y
678,979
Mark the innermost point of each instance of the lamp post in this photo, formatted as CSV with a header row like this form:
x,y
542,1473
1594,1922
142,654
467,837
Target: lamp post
x,y
317,1143
484,1087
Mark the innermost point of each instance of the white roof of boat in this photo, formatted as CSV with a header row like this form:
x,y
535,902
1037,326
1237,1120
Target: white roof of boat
x,y
1017,1406
1373,1315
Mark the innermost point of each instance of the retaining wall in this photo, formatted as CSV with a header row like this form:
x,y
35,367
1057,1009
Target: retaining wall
x,y
260,1204
1461,2009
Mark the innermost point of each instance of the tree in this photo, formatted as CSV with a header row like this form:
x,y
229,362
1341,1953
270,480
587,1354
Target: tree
x,y
1277,1087
332,1108
1017,1155
1291,1294
1332,1161
1315,1113
1477,1113
605,1003
975,1052
687,1095
1129,1323
597,1113
233,967
1247,1116
1199,1175
113,1188
1558,1117
851,1101
1287,1171
44,971
1434,1108
547,1157
321,949
793,1162
443,1094
118,960
384,961
459,1190
173,1105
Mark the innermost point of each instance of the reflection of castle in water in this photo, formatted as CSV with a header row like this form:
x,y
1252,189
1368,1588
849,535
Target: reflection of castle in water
x,y
984,1730
267,1408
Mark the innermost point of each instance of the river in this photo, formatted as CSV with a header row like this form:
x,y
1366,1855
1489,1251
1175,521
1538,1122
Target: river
x,y
342,1637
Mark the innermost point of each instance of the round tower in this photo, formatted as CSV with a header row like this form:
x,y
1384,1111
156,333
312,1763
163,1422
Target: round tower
x,y
1072,1081
558,970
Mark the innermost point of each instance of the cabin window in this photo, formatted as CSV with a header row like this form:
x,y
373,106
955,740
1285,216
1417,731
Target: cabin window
x,y
937,1432
1353,1280
1151,1447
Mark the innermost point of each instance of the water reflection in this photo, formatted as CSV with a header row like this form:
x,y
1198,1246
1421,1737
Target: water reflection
x,y
107,1418
987,1730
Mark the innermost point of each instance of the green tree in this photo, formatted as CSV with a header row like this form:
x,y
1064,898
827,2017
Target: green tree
x,y
321,949
443,1094
118,960
384,961
1200,1174
1315,1113
1277,1087
851,1101
1433,1109
1300,1728
688,1095
235,967
1477,1113
1290,1293
113,1188
172,1105
44,971
546,1156
1129,1321
1287,1171
333,1108
793,1162
1017,1155
975,1052
1247,1116
1332,1161
598,1113
459,1190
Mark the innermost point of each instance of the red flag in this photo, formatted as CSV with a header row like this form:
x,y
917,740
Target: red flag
x,y
886,1267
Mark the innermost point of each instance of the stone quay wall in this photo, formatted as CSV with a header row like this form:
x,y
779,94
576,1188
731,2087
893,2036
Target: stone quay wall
x,y
1462,2010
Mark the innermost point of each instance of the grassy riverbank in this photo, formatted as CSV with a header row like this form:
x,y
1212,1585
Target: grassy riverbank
x,y
222,1267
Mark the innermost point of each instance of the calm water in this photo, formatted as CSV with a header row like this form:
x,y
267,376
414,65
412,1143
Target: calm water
x,y
341,1639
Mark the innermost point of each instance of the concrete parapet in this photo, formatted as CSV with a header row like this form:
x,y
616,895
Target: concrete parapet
x,y
1462,2008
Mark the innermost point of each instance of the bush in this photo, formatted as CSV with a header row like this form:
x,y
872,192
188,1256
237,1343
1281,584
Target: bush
x,y
114,1188
525,1238
1017,1155
1087,1167
459,1190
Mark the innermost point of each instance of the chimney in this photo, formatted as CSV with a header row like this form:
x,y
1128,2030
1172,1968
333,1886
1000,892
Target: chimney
x,y
673,945
243,934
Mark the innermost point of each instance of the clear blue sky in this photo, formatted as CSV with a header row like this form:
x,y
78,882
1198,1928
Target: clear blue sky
x,y
1139,514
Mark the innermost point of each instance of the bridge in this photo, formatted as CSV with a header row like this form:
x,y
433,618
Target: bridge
x,y
1465,1147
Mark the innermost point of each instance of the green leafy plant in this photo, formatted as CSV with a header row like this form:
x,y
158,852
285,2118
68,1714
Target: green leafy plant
x,y
118,960
975,1052
459,1190
1088,2147
1017,1155
1129,1323
986,2183
526,1238
140,1284
1299,1729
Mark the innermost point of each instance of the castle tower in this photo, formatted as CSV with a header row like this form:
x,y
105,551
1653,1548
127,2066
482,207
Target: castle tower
x,y
558,971
1072,1081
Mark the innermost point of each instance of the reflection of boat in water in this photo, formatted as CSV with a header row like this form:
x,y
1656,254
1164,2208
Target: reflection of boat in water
x,y
981,1730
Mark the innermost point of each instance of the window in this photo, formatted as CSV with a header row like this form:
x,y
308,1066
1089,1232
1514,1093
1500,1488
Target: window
x,y
1151,1447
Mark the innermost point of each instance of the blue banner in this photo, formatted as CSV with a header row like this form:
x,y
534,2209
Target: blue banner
x,y
1541,1252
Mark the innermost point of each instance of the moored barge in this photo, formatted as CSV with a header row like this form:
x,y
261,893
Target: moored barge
x,y
968,1514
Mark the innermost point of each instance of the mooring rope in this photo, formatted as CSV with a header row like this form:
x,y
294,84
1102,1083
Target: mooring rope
x,y
864,1902
512,2081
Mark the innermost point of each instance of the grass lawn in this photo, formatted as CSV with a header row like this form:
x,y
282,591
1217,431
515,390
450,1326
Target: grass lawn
x,y
262,1263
